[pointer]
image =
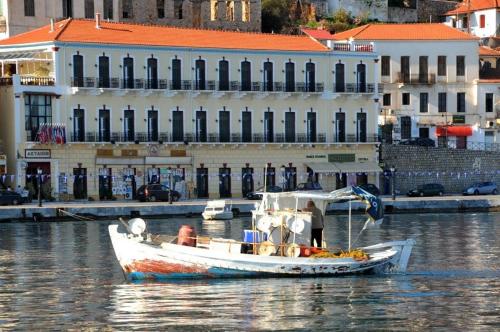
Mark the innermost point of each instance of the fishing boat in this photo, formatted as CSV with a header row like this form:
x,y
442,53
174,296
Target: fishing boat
x,y
276,246
218,210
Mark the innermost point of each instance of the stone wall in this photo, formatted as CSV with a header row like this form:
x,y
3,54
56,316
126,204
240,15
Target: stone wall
x,y
431,10
454,169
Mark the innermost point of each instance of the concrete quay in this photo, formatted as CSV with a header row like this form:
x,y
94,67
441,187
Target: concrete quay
x,y
53,211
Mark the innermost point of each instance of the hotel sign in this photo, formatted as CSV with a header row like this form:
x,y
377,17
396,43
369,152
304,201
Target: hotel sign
x,y
37,153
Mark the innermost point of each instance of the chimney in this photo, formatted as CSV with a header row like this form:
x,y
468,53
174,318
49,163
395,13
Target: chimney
x,y
52,28
97,20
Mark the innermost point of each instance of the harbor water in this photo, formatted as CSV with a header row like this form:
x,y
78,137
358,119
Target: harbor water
x,y
64,276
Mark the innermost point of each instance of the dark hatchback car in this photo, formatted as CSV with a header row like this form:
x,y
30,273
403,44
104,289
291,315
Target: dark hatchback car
x,y
10,198
428,189
309,186
419,141
371,188
270,189
156,192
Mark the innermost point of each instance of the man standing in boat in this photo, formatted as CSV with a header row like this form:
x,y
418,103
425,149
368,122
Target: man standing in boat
x,y
317,223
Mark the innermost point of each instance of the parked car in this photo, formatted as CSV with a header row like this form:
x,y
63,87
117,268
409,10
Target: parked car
x,y
10,198
371,188
255,194
428,189
156,192
419,141
309,186
481,188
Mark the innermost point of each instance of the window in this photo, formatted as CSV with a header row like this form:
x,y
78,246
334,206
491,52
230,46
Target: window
x,y
361,77
199,71
268,76
78,70
290,127
128,73
424,102
152,125
386,65
482,21
339,127
246,126
160,8
310,77
442,65
405,127
230,10
103,71
177,126
489,102
78,125
405,69
268,126
104,125
108,9
423,69
128,126
423,132
224,182
405,98
289,77
37,110
224,126
178,9
67,8
339,78
201,126
29,7
89,8
245,9
311,127
223,75
176,74
127,9
361,127
246,80
442,102
461,102
386,99
460,65
152,82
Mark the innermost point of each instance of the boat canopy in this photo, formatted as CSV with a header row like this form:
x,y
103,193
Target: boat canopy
x,y
298,200
216,204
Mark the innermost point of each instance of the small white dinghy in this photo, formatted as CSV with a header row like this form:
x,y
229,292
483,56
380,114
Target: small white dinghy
x,y
218,210
273,248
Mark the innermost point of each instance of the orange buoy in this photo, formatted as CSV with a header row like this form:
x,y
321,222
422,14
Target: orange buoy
x,y
305,251
186,236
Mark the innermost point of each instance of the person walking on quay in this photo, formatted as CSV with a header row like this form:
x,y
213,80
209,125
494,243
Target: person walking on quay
x,y
317,223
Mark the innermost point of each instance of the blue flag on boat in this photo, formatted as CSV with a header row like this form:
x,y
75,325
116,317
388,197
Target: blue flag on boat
x,y
375,208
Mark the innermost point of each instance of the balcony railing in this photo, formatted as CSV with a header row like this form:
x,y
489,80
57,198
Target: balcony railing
x,y
353,47
35,80
167,137
188,85
354,88
416,78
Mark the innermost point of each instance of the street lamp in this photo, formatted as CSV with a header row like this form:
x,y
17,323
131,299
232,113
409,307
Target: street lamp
x,y
39,181
393,178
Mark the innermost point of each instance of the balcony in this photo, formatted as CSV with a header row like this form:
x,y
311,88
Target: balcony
x,y
166,137
353,47
28,80
406,78
188,85
354,88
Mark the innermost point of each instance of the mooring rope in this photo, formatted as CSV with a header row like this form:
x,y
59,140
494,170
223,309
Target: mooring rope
x,y
77,217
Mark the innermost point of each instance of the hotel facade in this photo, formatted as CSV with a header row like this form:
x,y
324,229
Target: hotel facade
x,y
101,108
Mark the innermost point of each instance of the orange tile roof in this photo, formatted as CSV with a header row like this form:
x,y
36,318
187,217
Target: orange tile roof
x,y
317,33
474,5
418,31
84,31
488,51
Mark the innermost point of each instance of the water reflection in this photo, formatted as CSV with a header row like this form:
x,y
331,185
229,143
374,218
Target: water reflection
x,y
64,275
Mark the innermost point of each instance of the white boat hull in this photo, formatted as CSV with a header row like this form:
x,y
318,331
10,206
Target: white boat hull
x,y
226,215
144,260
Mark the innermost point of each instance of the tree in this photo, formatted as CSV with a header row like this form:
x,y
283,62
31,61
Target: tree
x,y
275,15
